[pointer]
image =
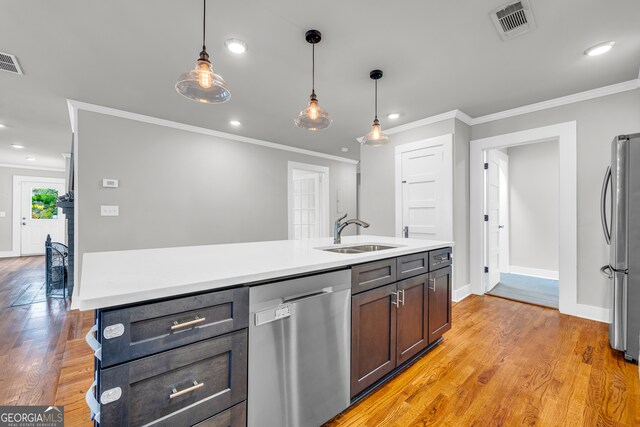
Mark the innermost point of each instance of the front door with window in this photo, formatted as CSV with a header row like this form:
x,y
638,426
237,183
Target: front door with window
x,y
39,216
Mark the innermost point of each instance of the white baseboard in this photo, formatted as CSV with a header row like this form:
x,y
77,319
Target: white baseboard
x,y
460,294
534,272
9,254
599,314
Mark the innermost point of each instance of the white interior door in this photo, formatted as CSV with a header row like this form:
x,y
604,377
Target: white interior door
x,y
39,216
497,200
426,194
308,194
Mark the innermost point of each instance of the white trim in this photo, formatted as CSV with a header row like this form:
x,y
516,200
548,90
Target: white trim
x,y
35,168
538,106
75,106
599,314
447,143
453,114
566,135
534,272
557,102
460,294
324,227
17,202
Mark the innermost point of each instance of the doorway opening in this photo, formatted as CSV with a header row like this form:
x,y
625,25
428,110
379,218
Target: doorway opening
x,y
521,222
308,201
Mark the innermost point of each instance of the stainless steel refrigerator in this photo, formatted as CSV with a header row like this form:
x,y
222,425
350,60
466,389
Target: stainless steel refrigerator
x,y
620,213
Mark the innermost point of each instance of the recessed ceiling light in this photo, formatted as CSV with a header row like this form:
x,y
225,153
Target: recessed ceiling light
x,y
236,46
344,149
599,49
234,123
2,126
393,116
31,159
18,146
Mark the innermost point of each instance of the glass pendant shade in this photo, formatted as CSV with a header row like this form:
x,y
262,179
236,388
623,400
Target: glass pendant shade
x,y
201,84
376,137
314,117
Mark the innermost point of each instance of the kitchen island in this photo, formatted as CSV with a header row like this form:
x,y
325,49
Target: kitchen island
x,y
174,328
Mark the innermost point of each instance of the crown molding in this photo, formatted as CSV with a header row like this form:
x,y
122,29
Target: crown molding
x,y
75,106
558,102
538,106
35,168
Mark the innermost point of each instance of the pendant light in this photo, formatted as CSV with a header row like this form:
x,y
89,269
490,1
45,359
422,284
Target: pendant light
x,y
201,84
313,117
376,137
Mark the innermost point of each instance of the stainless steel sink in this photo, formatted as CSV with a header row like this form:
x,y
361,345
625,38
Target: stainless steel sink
x,y
358,249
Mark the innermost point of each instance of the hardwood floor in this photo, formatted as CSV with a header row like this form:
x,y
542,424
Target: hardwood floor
x,y
41,345
503,364
506,363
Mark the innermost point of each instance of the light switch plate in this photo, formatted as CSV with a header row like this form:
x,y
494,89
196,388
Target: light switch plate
x,y
3,214
106,210
110,183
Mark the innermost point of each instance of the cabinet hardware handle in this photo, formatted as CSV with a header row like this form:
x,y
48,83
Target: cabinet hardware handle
x,y
397,295
196,385
402,300
432,284
195,321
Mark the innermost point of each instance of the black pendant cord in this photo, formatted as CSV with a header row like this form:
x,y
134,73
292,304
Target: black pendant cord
x,y
376,107
204,24
313,68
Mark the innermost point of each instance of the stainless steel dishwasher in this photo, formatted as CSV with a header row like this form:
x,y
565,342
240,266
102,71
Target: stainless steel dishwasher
x,y
299,350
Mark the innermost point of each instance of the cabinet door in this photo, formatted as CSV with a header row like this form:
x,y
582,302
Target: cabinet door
x,y
373,336
439,303
413,317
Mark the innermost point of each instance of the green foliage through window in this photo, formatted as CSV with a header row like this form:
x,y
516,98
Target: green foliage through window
x,y
43,203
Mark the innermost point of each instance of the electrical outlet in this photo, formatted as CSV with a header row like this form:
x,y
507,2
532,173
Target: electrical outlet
x,y
3,214
109,210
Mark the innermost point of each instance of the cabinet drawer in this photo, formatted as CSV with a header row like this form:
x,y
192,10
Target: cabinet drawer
x,y
413,265
372,275
139,331
235,416
439,258
180,387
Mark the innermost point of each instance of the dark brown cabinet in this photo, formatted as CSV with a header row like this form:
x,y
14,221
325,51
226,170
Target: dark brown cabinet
x,y
392,323
373,336
413,318
439,303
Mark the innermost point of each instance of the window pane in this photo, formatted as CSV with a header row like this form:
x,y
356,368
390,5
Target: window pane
x,y
43,203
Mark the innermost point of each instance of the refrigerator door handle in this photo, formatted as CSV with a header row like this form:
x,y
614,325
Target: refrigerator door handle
x,y
606,271
603,206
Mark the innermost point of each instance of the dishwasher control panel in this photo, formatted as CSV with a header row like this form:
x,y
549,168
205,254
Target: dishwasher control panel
x,y
270,315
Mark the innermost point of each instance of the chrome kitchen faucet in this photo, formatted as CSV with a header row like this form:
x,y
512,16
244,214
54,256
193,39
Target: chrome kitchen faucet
x,y
338,226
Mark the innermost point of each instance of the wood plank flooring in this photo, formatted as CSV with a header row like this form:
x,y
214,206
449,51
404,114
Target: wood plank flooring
x,y
503,364
506,363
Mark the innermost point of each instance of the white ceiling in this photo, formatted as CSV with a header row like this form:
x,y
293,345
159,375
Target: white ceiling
x,y
436,55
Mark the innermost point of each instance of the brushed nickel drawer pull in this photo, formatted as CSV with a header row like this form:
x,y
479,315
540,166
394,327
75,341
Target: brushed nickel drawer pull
x,y
433,282
195,321
196,385
397,302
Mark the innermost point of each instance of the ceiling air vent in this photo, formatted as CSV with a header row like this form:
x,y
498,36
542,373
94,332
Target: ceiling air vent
x,y
513,19
9,63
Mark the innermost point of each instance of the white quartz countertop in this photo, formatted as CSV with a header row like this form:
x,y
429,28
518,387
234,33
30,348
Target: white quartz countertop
x,y
123,277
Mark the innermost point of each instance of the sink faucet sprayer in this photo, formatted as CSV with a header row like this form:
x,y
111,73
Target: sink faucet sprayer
x,y
339,226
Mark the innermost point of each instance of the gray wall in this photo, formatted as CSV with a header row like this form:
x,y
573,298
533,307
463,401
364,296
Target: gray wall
x,y
6,199
182,188
598,121
534,184
377,166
